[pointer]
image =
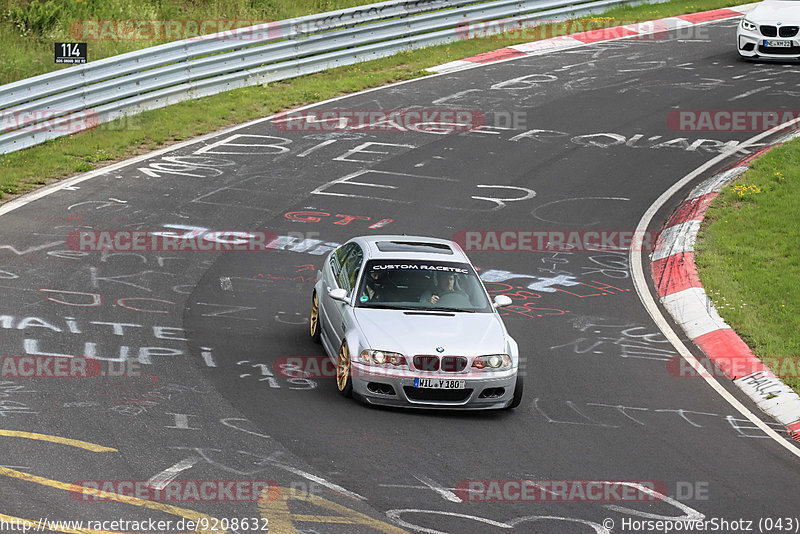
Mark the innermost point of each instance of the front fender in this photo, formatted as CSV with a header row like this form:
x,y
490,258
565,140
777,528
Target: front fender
x,y
354,343
513,350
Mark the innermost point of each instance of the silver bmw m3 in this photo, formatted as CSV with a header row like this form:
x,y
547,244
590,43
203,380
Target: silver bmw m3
x,y
407,322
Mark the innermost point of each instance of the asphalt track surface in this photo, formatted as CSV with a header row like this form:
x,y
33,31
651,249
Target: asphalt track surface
x,y
600,403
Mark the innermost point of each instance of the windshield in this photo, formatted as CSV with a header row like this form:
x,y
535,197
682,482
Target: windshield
x,y
422,285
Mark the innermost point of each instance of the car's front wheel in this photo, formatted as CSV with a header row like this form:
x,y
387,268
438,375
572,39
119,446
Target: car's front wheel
x,y
314,319
344,382
518,387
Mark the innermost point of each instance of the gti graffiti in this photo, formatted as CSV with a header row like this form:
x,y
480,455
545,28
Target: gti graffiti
x,y
617,416
344,220
263,373
91,349
624,340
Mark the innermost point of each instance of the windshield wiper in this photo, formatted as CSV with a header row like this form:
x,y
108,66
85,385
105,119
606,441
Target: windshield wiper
x,y
441,309
387,307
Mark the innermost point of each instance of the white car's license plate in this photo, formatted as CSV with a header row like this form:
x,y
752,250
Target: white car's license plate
x,y
777,44
439,383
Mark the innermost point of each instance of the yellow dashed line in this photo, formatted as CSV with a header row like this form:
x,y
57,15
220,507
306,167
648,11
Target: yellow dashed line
x,y
93,447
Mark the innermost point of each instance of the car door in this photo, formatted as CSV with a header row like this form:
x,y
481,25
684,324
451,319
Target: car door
x,y
336,276
348,278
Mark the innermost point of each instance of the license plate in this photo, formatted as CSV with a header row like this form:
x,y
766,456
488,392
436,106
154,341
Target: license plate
x,y
777,44
439,383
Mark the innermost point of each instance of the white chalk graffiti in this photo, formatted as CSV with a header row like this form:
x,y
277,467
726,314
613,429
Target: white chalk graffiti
x,y
624,340
610,415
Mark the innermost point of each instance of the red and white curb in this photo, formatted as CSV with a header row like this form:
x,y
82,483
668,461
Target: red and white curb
x,y
583,38
681,293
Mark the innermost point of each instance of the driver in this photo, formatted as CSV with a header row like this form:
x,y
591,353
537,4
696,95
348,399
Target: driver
x,y
378,286
445,284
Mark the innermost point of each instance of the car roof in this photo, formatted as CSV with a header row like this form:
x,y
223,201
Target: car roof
x,y
410,247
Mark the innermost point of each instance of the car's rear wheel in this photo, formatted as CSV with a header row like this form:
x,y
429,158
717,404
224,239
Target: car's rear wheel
x,y
344,382
518,387
314,320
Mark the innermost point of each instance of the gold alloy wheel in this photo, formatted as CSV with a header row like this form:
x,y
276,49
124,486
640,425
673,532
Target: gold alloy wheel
x,y
314,315
343,367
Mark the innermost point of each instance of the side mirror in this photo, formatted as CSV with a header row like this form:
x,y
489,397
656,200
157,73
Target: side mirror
x,y
502,300
341,295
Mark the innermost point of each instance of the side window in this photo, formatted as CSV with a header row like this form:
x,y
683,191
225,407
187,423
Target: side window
x,y
351,268
338,258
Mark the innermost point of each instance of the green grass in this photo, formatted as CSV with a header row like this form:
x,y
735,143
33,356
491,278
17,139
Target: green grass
x,y
748,257
27,169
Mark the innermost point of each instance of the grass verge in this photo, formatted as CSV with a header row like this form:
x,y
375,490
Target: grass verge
x,y
748,258
27,169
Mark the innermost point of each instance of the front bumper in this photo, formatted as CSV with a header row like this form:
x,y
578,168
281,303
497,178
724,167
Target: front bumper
x,y
490,390
751,45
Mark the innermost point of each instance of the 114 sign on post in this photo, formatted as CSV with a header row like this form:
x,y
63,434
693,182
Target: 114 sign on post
x,y
71,52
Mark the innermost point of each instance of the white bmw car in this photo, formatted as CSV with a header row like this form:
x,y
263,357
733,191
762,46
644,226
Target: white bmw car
x,y
771,31
407,322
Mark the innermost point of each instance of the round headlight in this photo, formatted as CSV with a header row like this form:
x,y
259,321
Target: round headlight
x,y
379,357
495,361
